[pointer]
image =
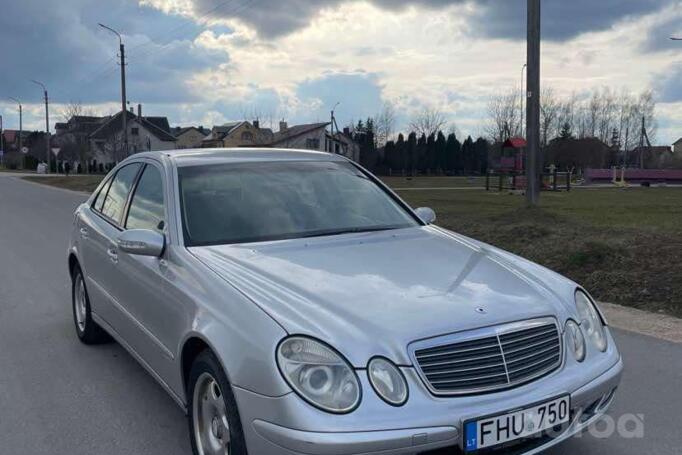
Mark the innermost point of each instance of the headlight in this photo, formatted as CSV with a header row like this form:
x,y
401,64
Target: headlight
x,y
319,375
590,321
575,340
387,380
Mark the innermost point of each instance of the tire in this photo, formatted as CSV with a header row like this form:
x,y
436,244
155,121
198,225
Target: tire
x,y
88,331
210,394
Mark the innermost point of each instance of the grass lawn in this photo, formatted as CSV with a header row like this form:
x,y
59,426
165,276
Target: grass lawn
x,y
624,246
85,183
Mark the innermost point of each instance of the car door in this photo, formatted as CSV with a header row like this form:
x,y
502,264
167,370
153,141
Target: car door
x,y
146,289
99,227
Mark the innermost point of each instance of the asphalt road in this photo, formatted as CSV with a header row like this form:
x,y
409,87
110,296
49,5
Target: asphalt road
x,y
58,396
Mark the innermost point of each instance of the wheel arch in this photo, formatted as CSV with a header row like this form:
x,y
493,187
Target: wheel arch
x,y
73,263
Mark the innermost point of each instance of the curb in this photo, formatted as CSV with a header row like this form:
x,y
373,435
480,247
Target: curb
x,y
654,325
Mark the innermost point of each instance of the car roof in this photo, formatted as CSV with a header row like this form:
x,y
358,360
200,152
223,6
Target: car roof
x,y
199,157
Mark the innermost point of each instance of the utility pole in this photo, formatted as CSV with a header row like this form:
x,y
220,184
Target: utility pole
x,y
523,96
533,104
47,124
124,109
21,128
333,122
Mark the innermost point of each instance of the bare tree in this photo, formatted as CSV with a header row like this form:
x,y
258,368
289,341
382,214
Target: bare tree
x,y
504,119
550,108
73,109
429,121
385,124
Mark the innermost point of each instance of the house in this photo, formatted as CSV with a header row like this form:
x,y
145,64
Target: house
x,y
144,134
677,146
189,137
311,136
238,134
73,137
342,143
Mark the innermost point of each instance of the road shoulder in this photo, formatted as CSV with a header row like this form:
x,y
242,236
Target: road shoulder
x,y
651,324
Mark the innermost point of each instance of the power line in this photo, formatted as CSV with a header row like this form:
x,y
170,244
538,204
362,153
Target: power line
x,y
169,33
238,9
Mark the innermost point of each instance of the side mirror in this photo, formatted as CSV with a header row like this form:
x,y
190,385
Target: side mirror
x,y
142,242
426,214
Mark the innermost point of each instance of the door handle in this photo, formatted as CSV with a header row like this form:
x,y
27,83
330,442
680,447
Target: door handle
x,y
84,233
113,255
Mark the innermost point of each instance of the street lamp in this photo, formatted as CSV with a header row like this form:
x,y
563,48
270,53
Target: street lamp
x,y
124,110
21,148
47,124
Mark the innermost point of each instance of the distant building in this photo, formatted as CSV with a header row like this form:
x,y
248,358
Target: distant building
x,y
73,137
144,134
238,134
342,143
309,137
677,146
189,137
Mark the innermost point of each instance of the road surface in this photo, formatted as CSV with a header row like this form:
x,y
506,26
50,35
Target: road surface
x,y
58,396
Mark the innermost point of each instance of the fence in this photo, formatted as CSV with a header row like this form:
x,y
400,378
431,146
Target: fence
x,y
514,181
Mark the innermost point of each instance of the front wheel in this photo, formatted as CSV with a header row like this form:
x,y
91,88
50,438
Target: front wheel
x,y
88,331
214,423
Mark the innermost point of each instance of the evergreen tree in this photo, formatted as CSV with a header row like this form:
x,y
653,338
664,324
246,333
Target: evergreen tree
x,y
481,146
431,153
441,152
421,152
468,154
411,152
452,150
566,132
401,152
391,156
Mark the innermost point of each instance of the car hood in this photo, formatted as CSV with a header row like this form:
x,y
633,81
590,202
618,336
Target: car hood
x,y
374,293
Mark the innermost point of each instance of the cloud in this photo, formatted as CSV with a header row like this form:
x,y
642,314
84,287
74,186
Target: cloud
x,y
64,48
359,95
669,86
562,19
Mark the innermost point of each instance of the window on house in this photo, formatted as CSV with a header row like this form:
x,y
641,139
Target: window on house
x,y
247,136
312,144
135,131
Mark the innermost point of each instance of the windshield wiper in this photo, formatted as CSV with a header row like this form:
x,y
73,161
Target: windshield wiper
x,y
347,231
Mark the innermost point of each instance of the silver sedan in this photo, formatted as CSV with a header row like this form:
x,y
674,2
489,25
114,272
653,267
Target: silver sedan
x,y
291,303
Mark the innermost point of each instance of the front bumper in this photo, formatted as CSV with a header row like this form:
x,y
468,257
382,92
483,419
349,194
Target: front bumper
x,y
286,425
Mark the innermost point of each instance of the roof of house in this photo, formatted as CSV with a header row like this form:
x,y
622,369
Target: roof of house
x,y
180,130
295,131
515,142
60,125
219,132
679,141
154,125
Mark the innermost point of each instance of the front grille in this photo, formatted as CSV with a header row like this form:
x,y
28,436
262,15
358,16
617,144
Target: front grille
x,y
510,356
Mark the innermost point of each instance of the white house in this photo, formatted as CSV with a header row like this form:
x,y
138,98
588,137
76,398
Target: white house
x,y
144,134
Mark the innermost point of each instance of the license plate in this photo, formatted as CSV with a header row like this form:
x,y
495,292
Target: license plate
x,y
492,431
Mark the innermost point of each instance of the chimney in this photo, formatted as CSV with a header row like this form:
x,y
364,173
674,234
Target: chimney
x,y
132,110
139,111
346,131
283,126
256,124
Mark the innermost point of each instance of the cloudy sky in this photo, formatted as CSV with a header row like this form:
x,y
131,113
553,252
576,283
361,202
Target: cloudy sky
x,y
210,61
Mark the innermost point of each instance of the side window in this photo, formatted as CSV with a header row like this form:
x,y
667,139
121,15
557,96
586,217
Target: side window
x,y
117,196
99,200
146,208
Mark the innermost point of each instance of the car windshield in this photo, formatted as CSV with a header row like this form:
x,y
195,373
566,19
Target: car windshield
x,y
253,202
